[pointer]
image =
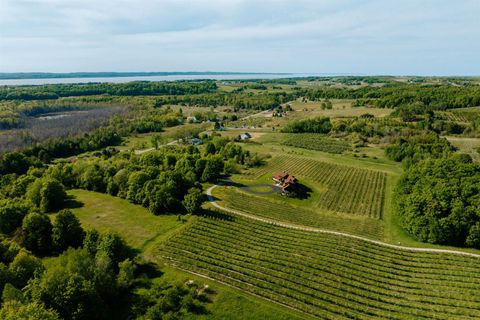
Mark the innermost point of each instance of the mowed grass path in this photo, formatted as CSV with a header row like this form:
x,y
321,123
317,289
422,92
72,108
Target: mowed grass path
x,y
328,276
134,223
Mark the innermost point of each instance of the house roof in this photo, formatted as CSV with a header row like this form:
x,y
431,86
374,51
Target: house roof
x,y
280,175
290,179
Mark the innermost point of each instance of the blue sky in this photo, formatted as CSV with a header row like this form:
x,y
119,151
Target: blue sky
x,y
427,37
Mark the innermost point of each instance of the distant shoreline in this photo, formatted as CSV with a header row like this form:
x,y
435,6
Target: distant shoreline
x,y
68,75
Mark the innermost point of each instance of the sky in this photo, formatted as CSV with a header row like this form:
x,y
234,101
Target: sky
x,y
371,37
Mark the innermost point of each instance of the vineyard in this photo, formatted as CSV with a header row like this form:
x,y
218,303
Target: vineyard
x,y
468,114
349,189
451,116
328,276
385,121
231,198
317,142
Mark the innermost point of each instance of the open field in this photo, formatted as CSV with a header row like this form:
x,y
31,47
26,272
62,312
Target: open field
x,y
348,189
328,276
340,109
470,146
107,213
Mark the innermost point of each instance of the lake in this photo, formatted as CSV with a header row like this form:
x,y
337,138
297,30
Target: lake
x,y
153,78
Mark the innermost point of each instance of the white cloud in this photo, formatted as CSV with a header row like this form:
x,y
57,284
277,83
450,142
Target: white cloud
x,y
275,35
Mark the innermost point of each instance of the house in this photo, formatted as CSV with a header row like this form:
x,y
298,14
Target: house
x,y
287,182
245,136
192,119
197,142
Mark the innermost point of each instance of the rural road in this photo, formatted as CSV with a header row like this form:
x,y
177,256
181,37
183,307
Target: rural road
x,y
211,199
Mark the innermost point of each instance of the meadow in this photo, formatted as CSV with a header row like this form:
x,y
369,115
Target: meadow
x,y
106,213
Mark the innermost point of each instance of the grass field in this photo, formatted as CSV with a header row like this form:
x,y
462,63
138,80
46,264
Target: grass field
x,y
135,223
341,109
328,276
348,189
470,146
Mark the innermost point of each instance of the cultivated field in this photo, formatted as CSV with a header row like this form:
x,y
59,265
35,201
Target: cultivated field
x,y
348,189
232,198
317,142
328,276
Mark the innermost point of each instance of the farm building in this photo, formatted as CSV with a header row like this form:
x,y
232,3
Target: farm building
x,y
192,119
245,136
197,142
287,182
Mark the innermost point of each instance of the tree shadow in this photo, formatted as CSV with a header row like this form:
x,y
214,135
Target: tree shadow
x,y
215,214
148,269
72,203
227,181
303,192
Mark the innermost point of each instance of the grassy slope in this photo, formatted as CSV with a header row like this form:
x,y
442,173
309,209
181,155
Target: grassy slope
x,y
134,223
144,231
469,146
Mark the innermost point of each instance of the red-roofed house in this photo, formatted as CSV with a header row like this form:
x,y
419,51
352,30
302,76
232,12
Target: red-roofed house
x,y
286,181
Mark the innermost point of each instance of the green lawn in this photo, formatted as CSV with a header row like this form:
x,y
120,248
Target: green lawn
x,y
135,223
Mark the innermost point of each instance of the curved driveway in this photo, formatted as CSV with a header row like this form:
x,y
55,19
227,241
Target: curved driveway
x,y
211,199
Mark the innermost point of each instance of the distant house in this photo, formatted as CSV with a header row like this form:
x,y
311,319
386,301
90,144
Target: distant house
x,y
197,142
192,119
287,182
245,136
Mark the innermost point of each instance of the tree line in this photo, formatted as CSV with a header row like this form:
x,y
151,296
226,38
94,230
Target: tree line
x,y
139,88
